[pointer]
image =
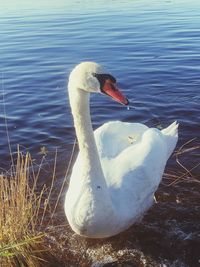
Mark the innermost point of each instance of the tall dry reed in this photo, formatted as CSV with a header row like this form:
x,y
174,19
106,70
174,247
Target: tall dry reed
x,y
22,210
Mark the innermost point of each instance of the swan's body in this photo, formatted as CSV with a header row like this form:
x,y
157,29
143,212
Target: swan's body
x,y
119,166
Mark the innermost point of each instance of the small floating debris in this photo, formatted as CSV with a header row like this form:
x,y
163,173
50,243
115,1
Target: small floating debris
x,y
43,151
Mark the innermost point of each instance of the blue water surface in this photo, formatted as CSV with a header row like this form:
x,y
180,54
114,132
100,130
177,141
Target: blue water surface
x,y
151,47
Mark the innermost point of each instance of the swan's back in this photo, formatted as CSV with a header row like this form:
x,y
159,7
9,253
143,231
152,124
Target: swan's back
x,y
133,158
115,136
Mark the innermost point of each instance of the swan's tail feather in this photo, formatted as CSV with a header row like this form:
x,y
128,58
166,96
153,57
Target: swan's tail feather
x,y
172,129
171,136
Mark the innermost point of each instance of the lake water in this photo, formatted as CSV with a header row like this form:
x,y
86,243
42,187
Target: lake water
x,y
151,47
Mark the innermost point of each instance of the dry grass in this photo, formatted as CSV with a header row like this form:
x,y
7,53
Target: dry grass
x,y
23,208
182,172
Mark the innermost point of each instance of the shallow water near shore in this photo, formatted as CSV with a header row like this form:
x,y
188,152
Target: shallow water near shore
x,y
153,51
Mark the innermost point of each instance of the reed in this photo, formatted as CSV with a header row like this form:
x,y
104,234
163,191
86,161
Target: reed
x,y
22,242
182,172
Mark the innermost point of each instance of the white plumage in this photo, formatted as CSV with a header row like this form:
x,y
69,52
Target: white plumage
x,y
119,166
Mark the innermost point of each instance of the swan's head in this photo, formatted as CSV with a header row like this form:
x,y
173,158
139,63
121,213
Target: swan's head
x,y
91,77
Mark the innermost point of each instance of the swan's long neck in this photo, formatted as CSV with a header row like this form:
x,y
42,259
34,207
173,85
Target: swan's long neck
x,y
79,101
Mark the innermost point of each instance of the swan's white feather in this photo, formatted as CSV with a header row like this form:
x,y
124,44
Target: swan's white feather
x,y
133,169
118,169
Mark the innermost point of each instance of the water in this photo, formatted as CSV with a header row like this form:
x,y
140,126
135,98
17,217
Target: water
x,y
153,50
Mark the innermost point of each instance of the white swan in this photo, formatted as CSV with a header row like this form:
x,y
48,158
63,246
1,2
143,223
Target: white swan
x,y
119,166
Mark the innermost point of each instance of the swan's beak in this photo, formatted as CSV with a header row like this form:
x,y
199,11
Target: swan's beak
x,y
111,90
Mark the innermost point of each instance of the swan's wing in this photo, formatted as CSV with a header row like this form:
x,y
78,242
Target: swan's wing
x,y
113,137
134,175
148,155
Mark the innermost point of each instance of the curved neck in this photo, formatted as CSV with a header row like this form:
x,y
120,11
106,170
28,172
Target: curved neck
x,y
79,101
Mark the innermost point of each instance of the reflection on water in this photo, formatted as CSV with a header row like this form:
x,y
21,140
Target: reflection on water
x,y
152,48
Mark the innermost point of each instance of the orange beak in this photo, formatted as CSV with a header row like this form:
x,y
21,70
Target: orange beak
x,y
110,89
